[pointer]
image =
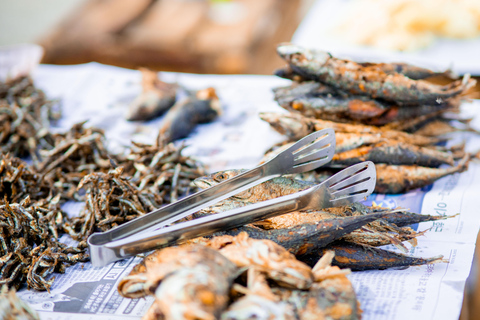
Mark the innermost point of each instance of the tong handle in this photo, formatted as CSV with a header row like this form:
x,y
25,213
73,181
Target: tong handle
x,y
143,242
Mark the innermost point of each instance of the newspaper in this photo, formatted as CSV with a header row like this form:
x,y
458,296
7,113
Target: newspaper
x,y
238,139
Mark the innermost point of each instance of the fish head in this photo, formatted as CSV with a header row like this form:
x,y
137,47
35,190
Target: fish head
x,y
289,52
288,124
216,177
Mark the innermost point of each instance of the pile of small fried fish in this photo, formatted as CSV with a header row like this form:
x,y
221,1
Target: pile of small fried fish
x,y
31,222
353,231
240,278
12,308
385,113
77,166
25,116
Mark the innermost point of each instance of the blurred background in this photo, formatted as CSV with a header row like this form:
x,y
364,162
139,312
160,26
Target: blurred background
x,y
224,37
171,35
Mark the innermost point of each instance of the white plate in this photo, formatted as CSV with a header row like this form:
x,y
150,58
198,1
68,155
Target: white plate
x,y
462,56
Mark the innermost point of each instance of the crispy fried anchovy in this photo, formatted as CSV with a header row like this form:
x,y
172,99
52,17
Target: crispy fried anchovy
x,y
358,257
400,179
111,200
25,115
75,154
408,70
18,180
303,238
29,248
161,172
370,81
296,126
182,118
156,98
393,153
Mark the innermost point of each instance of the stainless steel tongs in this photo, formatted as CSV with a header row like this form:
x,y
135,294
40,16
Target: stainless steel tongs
x,y
307,154
349,185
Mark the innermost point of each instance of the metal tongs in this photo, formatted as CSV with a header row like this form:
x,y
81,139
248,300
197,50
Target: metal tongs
x,y
150,231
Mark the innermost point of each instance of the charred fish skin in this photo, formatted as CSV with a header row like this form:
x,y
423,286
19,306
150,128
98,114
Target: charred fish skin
x,y
305,238
408,70
358,257
182,118
395,153
315,100
398,217
399,114
287,94
404,218
400,179
352,77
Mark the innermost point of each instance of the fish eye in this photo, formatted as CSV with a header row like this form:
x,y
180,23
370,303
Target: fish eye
x,y
220,176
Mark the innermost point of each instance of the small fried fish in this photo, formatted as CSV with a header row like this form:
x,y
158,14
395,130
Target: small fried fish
x,y
303,238
408,70
370,81
396,153
400,179
157,97
296,126
184,116
358,257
